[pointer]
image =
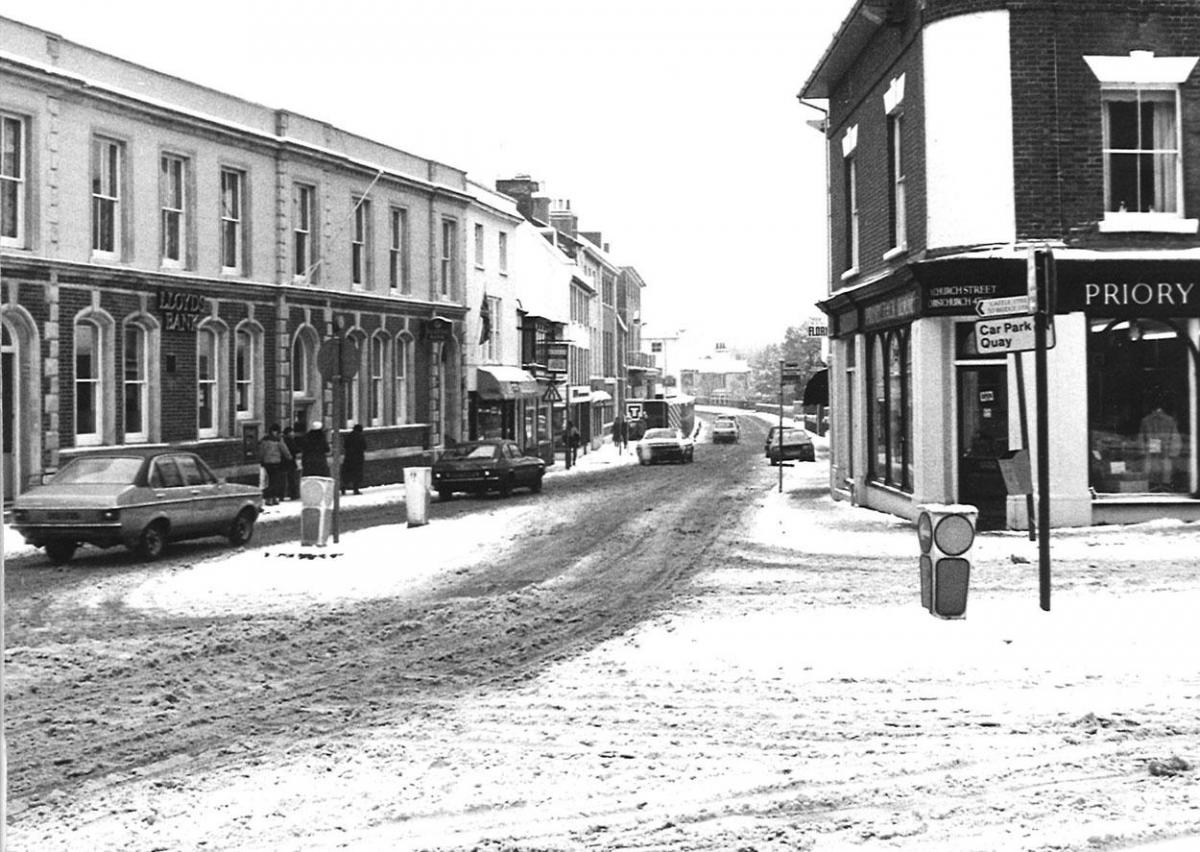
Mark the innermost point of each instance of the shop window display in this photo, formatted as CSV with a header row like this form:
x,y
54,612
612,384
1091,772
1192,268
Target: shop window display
x,y
1140,406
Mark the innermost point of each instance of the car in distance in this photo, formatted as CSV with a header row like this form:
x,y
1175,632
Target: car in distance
x,y
664,444
725,429
796,444
478,467
142,500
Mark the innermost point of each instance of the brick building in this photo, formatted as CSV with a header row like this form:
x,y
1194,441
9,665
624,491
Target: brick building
x,y
172,259
961,135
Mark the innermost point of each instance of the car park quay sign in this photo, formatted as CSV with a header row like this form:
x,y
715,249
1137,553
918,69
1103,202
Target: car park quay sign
x,y
1011,334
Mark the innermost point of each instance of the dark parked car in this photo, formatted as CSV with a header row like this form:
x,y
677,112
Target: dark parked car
x,y
796,444
489,465
139,499
663,444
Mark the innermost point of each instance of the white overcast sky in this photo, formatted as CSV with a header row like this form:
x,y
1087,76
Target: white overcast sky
x,y
671,125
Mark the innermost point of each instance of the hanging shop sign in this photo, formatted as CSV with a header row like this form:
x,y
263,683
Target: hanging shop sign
x,y
180,311
555,355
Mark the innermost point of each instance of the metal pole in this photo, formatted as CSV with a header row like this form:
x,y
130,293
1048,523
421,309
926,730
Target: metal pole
x,y
780,427
1045,271
339,411
1024,412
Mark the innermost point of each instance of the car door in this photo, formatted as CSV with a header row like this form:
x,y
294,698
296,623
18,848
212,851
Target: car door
x,y
209,507
171,494
522,465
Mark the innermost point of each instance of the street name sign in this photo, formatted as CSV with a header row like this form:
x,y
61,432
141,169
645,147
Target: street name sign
x,y
1005,306
1014,334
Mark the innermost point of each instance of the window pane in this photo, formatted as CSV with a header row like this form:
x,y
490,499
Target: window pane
x,y
9,215
10,148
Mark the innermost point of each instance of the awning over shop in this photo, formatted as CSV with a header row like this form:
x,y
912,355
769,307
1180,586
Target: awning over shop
x,y
497,382
816,392
601,396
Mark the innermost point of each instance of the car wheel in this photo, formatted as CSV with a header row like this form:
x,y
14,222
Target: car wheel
x,y
506,486
60,552
153,541
445,494
536,486
242,529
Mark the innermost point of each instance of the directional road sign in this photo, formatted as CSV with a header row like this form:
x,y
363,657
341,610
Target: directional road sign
x,y
1014,334
1006,306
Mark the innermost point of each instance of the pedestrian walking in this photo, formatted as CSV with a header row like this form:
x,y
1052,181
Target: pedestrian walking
x,y
314,451
620,434
355,447
572,443
271,453
291,466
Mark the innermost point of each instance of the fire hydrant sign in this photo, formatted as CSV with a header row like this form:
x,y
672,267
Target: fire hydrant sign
x,y
1010,334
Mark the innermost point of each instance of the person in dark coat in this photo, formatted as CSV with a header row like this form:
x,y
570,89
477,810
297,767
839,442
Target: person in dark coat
x,y
314,451
355,451
291,470
271,454
620,433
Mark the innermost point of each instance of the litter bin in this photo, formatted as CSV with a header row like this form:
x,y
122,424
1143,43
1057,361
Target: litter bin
x,y
946,533
416,494
316,509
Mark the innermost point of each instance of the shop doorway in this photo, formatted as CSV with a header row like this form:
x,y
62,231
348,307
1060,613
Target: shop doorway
x,y
982,440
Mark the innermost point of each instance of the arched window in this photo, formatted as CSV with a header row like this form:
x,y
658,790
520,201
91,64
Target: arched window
x,y
402,359
376,364
355,407
136,390
94,379
248,372
211,382
88,403
305,382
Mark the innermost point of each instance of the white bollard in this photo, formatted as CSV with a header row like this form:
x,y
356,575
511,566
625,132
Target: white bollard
x,y
316,509
416,494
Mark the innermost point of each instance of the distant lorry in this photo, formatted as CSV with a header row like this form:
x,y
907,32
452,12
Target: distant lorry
x,y
677,412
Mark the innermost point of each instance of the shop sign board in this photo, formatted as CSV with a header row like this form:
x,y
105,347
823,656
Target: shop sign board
x,y
1013,334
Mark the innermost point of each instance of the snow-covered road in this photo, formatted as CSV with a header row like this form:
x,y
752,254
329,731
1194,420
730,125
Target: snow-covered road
x,y
796,697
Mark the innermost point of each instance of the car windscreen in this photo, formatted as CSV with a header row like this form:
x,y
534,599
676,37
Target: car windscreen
x,y
111,470
795,436
652,434
471,451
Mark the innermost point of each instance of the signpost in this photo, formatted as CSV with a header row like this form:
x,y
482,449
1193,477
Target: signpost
x,y
1042,261
337,360
789,374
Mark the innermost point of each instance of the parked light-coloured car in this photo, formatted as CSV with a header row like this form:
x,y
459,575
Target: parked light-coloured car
x,y
664,444
139,499
725,429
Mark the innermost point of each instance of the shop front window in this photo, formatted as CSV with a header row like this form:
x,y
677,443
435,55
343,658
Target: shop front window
x,y
490,420
1141,409
890,414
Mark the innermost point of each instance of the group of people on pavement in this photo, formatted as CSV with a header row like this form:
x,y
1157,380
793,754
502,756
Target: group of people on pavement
x,y
284,457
